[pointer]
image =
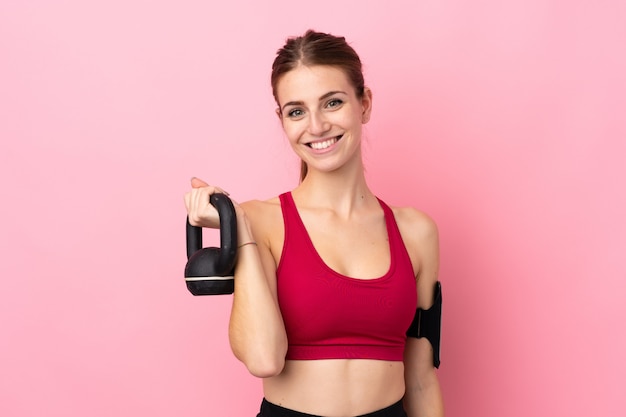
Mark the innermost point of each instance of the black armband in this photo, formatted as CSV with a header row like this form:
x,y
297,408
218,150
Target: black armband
x,y
427,323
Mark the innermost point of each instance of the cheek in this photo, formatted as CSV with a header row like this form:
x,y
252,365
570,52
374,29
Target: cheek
x,y
292,131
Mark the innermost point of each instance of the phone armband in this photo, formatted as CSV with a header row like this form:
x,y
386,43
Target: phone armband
x,y
427,323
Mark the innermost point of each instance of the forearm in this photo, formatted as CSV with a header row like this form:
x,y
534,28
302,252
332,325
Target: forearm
x,y
256,331
423,398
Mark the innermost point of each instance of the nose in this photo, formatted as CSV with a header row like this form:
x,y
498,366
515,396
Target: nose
x,y
318,125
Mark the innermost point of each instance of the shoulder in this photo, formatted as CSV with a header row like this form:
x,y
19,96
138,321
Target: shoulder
x,y
262,210
261,206
264,215
421,238
416,225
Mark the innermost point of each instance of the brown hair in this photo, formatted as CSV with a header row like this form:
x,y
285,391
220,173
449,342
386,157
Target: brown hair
x,y
316,48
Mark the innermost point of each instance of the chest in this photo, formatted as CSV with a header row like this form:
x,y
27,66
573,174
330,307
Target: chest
x,y
322,306
357,249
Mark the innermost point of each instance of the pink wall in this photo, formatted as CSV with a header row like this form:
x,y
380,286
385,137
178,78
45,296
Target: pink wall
x,y
503,120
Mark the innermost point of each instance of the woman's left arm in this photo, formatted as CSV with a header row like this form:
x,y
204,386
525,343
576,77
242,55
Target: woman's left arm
x,y
423,395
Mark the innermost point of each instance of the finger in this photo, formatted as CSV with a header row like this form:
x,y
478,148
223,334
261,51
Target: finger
x,y
197,183
220,190
198,202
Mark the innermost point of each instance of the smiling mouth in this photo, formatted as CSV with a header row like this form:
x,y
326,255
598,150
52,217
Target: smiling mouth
x,y
324,143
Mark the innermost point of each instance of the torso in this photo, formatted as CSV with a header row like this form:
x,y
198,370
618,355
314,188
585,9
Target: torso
x,y
355,247
336,387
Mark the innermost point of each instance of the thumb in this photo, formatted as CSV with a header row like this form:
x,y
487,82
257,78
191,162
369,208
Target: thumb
x,y
198,183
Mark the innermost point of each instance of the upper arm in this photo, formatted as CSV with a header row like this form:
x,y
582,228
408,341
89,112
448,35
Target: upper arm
x,y
263,224
428,274
421,238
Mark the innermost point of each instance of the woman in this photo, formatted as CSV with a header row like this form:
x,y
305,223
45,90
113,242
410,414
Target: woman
x,y
327,275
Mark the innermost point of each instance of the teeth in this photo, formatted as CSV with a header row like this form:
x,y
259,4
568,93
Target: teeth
x,y
323,145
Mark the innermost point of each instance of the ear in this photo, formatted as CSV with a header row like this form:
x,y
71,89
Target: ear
x,y
279,115
366,102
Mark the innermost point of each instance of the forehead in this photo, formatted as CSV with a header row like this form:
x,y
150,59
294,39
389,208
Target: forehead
x,y
309,83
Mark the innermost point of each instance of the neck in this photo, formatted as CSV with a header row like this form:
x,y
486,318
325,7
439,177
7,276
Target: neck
x,y
343,191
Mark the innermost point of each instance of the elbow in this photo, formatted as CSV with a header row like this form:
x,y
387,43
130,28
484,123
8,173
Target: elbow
x,y
266,368
263,358
262,363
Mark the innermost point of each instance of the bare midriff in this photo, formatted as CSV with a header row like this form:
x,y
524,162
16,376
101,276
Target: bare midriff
x,y
336,387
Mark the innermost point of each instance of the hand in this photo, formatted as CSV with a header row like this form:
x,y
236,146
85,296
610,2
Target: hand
x,y
199,210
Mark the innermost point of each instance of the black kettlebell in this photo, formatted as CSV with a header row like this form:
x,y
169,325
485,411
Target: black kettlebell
x,y
210,271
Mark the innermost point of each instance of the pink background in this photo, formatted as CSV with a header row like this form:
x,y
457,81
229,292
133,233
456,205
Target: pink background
x,y
503,120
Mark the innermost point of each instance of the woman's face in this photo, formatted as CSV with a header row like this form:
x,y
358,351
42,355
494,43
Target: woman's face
x,y
322,116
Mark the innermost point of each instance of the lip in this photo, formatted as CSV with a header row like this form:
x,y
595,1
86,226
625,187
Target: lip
x,y
337,138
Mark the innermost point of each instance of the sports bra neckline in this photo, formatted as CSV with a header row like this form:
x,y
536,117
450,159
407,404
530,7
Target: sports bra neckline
x,y
309,242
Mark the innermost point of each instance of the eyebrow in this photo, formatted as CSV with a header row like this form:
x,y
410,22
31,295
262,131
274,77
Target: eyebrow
x,y
299,103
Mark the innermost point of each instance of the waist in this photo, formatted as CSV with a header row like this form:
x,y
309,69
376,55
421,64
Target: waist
x,y
336,386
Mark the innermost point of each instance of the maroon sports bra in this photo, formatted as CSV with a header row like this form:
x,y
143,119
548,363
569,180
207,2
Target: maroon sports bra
x,y
328,315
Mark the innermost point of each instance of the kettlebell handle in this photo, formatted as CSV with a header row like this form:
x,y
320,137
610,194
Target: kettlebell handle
x,y
228,232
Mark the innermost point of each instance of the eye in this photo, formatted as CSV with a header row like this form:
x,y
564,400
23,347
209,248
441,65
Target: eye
x,y
334,103
295,113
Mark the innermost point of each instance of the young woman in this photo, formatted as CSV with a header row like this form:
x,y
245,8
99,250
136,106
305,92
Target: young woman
x,y
328,276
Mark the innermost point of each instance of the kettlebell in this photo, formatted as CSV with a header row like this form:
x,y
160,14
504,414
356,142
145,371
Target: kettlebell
x,y
210,271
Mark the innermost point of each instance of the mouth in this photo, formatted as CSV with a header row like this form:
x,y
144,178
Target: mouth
x,y
324,144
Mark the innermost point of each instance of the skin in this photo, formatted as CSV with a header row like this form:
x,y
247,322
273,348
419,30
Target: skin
x,y
318,104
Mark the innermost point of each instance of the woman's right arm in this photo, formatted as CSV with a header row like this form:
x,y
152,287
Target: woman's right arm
x,y
256,331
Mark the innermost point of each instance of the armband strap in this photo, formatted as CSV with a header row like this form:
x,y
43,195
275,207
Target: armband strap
x,y
427,323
